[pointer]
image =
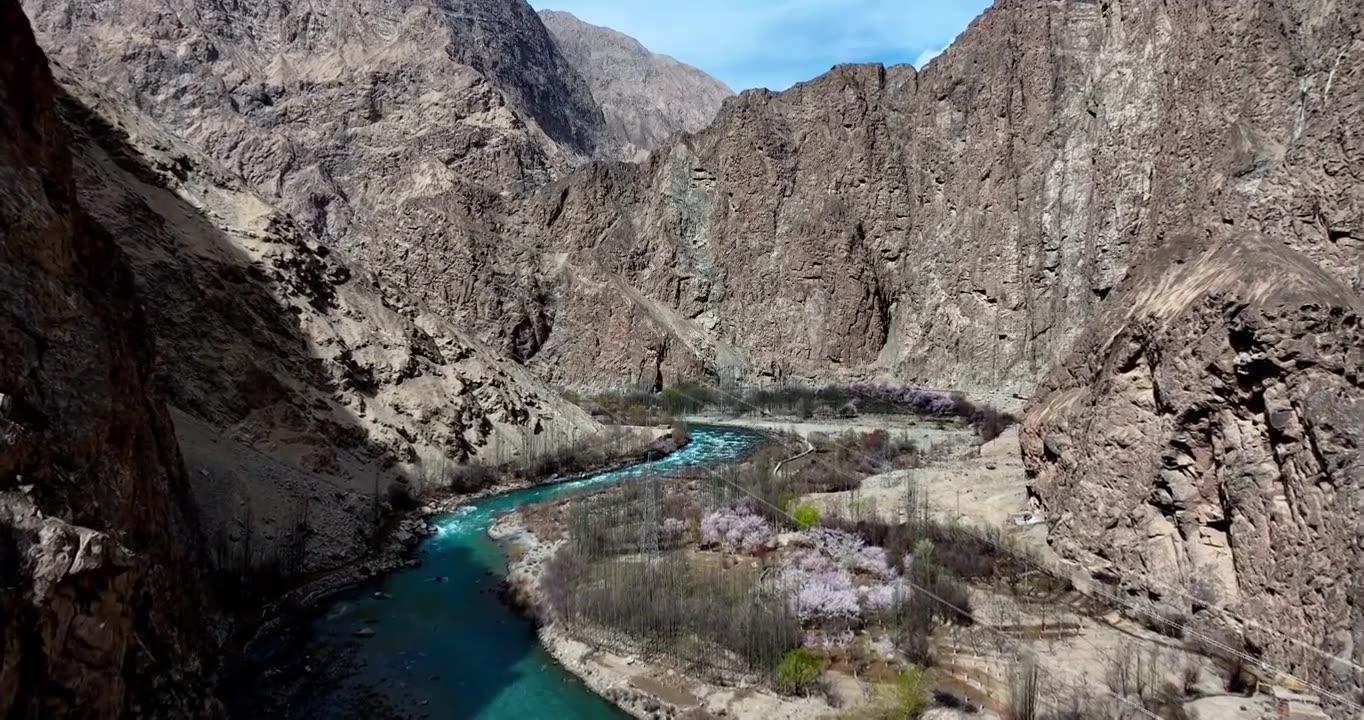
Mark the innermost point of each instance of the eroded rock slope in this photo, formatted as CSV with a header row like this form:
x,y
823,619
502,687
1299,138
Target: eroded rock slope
x,y
302,386
1202,446
960,225
155,307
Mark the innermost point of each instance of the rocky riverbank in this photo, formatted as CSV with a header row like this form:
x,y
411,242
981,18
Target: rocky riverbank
x,y
399,546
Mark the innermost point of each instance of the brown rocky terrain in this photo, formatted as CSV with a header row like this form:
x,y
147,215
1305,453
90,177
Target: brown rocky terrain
x,y
389,130
960,225
956,226
151,297
646,98
297,379
100,613
309,103
1162,201
385,129
1201,445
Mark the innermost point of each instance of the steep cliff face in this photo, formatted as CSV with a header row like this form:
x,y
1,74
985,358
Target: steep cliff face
x,y
97,544
300,389
333,109
960,225
646,98
763,245
1098,129
956,226
302,386
1202,444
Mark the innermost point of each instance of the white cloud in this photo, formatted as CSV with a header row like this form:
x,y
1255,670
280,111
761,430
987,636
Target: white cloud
x,y
926,56
774,43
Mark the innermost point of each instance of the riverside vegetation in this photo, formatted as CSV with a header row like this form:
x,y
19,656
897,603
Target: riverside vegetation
x,y
247,573
801,401
704,573
728,576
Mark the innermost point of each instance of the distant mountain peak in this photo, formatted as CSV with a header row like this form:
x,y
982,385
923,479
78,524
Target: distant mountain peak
x,y
646,97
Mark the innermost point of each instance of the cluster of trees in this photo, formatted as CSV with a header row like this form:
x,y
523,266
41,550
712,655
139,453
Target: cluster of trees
x,y
248,571
713,621
880,399
840,463
647,407
551,452
639,406
628,579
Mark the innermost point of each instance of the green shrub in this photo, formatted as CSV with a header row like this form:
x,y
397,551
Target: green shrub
x,y
805,515
798,671
911,692
907,697
686,397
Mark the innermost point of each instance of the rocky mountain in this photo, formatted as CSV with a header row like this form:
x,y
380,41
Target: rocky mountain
x,y
389,130
98,542
341,112
1201,446
957,226
192,386
646,98
960,225
1155,209
294,376
1198,444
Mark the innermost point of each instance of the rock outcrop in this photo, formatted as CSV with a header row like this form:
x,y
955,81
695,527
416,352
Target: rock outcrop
x,y
1203,445
758,246
346,116
389,131
100,614
646,98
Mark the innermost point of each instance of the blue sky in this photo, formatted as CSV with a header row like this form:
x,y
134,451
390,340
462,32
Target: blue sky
x,y
774,43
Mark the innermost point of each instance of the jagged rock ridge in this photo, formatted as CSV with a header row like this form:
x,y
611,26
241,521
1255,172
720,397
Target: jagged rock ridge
x,y
336,111
646,98
960,225
388,130
296,378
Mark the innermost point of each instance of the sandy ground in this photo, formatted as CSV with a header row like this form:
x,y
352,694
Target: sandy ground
x,y
983,488
1075,644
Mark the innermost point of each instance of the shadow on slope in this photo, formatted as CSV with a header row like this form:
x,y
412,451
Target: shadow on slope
x,y
306,398
443,645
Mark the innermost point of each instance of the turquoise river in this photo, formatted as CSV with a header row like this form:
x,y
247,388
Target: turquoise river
x,y
444,645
